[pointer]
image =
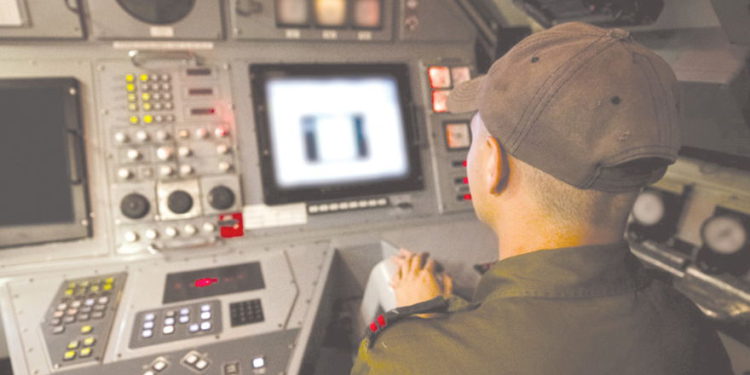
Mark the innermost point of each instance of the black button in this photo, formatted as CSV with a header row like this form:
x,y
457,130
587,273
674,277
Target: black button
x,y
134,206
221,197
179,202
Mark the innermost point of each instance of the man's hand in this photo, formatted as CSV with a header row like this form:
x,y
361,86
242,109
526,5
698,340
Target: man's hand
x,y
416,281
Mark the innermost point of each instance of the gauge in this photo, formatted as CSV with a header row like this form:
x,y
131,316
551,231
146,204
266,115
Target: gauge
x,y
724,234
648,208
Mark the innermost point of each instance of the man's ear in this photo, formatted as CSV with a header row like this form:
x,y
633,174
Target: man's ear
x,y
495,172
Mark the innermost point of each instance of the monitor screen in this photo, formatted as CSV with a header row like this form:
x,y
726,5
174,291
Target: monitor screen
x,y
332,131
41,193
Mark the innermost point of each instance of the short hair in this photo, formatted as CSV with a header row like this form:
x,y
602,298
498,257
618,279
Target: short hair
x,y
566,203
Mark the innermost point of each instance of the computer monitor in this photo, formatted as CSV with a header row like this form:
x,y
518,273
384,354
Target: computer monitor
x,y
328,131
43,185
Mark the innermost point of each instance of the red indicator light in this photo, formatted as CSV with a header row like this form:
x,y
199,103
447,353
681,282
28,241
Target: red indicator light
x,y
440,101
467,197
463,163
440,77
466,180
204,282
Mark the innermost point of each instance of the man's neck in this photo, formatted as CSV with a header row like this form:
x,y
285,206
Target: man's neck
x,y
521,236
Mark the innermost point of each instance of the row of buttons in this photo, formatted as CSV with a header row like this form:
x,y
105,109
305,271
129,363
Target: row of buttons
x,y
159,365
171,319
90,287
345,206
143,136
151,119
196,361
442,78
130,78
170,232
86,345
76,312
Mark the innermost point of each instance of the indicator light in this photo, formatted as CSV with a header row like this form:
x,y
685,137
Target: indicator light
x,y
144,77
330,12
129,78
440,77
440,101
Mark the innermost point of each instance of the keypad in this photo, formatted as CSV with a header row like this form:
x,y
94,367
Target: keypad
x,y
246,312
176,323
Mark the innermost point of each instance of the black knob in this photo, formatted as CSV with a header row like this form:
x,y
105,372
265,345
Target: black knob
x,y
221,197
134,206
179,202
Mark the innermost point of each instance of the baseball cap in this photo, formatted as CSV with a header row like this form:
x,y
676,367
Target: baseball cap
x,y
581,103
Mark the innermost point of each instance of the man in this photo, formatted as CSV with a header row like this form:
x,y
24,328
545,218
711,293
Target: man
x,y
571,123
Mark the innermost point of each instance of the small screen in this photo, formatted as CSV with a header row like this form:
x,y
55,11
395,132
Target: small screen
x,y
34,161
337,128
213,282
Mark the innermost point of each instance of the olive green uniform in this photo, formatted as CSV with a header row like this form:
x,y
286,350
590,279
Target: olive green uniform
x,y
584,310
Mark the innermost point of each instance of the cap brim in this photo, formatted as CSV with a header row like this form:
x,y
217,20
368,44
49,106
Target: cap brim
x,y
463,98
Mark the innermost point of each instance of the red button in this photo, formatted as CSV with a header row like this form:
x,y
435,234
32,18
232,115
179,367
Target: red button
x,y
381,321
467,197
231,226
466,180
373,327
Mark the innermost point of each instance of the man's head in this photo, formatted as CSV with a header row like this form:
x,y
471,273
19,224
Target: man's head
x,y
575,118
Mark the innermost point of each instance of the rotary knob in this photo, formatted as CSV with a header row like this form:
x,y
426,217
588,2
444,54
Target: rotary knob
x,y
179,202
221,197
134,206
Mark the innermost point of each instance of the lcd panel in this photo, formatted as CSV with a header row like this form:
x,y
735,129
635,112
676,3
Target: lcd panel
x,y
42,190
334,131
211,282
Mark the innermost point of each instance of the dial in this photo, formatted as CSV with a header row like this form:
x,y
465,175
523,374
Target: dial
x,y
648,208
134,206
221,197
724,234
179,202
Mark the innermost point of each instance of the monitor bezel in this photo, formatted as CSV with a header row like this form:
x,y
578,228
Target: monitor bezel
x,y
80,226
273,193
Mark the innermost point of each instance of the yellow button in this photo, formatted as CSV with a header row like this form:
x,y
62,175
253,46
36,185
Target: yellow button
x,y
69,292
88,341
107,287
72,284
144,77
134,119
94,288
85,283
73,344
146,96
130,87
132,97
109,280
148,119
70,354
133,107
85,352
87,329
146,106
129,78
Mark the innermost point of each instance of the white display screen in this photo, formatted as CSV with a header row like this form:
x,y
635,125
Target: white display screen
x,y
336,130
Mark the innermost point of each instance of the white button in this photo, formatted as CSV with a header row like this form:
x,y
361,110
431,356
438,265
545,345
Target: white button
x,y
313,209
353,204
323,208
362,204
170,118
149,372
184,319
382,202
133,154
149,316
189,229
124,173
186,170
89,301
161,134
184,151
200,365
159,118
166,170
206,307
121,137
148,325
333,207
184,311
151,234
225,166
170,231
372,203
147,333
193,328
259,362
168,330
141,136
221,132
205,326
208,227
201,133
131,237
64,306
157,106
103,300
167,96
222,149
344,205
76,304
160,365
191,358
156,96
169,321
164,153
168,105
206,315
183,133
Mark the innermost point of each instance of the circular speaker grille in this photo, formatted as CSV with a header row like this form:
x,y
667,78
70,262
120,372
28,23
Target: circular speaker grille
x,y
158,12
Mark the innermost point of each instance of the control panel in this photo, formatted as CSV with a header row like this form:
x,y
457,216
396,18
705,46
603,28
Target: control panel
x,y
77,324
172,153
176,323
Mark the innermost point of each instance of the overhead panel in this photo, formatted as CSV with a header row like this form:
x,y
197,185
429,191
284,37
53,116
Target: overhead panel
x,y
156,19
39,19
